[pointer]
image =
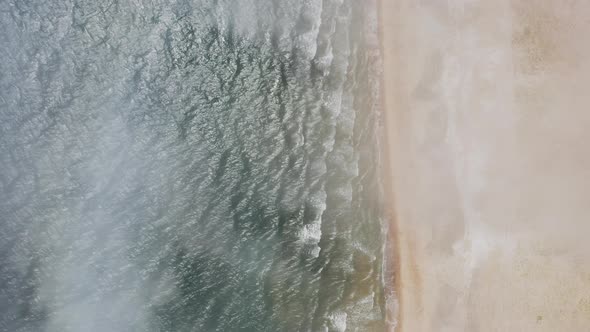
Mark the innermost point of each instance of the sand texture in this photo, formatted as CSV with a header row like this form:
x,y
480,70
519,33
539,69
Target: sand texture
x,y
487,109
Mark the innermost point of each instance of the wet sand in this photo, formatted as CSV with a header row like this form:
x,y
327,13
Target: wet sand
x,y
487,117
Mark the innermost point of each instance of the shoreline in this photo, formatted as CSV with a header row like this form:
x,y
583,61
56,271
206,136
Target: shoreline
x,y
393,262
484,165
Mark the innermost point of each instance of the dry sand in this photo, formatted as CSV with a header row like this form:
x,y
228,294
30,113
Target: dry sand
x,y
487,111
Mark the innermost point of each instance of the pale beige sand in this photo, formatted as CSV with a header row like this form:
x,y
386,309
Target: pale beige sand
x,y
487,105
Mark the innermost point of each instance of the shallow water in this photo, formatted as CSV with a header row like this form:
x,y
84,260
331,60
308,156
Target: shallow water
x,y
189,166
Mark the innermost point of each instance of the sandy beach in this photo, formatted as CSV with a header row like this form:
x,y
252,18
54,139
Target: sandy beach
x,y
487,115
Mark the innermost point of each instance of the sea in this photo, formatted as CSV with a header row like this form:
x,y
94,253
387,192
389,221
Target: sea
x,y
191,165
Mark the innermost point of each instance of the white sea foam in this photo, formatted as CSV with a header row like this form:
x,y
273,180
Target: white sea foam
x,y
311,18
337,321
324,61
311,233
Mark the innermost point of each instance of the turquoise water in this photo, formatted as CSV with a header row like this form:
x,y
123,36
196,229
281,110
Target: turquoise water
x,y
189,166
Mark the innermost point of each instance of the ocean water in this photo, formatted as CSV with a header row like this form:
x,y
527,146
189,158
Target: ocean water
x,y
197,165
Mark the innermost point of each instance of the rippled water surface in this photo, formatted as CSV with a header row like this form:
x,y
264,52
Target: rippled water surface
x,y
189,166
